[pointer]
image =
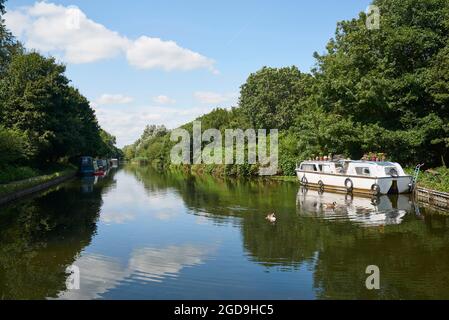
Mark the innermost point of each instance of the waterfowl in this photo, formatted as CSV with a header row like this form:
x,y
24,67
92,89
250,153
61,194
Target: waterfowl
x,y
271,217
332,205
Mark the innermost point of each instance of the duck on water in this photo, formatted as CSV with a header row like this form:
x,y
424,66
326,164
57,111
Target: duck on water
x,y
271,217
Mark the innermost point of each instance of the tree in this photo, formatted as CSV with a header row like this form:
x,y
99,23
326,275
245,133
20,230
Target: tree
x,y
393,78
270,97
32,94
321,133
129,152
79,132
2,7
12,147
8,44
56,119
43,118
108,148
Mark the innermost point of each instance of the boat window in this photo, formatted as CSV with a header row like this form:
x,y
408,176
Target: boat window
x,y
309,167
339,168
362,171
392,171
325,168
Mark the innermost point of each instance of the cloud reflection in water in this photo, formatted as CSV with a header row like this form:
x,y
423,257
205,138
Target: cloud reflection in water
x,y
100,274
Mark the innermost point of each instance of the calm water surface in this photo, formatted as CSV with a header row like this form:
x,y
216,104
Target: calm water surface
x,y
138,234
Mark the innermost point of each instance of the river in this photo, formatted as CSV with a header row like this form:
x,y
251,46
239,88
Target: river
x,y
140,234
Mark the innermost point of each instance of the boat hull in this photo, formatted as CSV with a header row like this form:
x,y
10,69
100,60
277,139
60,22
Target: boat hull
x,y
365,185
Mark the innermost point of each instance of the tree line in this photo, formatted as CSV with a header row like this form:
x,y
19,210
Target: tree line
x,y
43,119
383,90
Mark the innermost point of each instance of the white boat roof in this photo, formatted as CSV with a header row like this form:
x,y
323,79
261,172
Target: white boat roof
x,y
378,163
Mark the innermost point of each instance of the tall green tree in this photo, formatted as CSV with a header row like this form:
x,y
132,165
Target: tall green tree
x,y
108,148
271,97
56,119
392,78
32,93
79,133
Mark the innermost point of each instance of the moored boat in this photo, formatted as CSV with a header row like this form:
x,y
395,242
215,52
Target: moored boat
x,y
86,166
99,168
368,177
114,163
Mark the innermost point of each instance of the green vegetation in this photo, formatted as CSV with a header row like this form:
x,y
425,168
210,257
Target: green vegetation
x,y
383,91
435,179
35,179
43,119
11,173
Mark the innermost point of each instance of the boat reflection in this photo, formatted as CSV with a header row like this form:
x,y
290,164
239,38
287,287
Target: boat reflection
x,y
87,184
366,211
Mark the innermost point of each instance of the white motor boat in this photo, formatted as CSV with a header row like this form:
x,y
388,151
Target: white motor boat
x,y
368,177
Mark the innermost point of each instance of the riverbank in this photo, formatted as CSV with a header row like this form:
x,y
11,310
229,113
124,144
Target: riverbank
x,y
18,189
435,179
432,187
433,199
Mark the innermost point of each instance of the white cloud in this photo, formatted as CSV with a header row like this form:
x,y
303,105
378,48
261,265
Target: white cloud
x,y
207,97
17,22
68,32
150,53
54,28
164,100
127,124
108,99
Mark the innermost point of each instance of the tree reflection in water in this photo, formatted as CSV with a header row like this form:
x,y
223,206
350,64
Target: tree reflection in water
x,y
408,243
332,248
41,236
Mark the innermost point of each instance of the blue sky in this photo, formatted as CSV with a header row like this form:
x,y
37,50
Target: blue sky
x,y
166,62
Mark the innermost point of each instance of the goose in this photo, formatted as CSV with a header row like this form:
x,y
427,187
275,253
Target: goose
x,y
271,217
332,205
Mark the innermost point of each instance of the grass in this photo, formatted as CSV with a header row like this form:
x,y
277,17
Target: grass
x,y
435,179
59,171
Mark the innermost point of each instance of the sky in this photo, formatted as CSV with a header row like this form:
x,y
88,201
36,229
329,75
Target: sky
x,y
170,61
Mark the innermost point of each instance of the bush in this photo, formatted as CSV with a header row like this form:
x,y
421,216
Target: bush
x,y
12,146
436,179
11,173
